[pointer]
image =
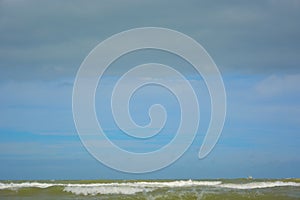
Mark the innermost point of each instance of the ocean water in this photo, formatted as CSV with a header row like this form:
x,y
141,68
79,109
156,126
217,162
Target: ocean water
x,y
152,189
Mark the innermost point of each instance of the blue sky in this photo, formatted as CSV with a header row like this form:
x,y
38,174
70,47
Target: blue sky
x,y
255,44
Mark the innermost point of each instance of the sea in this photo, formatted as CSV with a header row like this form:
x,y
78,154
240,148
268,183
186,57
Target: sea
x,y
264,189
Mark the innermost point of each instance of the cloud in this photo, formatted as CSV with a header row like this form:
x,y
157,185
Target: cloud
x,y
42,44
278,85
39,37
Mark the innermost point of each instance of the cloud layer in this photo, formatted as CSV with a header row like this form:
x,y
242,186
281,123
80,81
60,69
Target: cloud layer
x,y
46,40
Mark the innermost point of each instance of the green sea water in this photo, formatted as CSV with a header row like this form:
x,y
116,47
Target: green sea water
x,y
153,189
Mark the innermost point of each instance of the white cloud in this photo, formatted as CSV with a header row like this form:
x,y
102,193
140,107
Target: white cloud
x,y
277,85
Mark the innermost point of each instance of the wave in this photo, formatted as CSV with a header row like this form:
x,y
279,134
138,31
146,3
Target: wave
x,y
27,185
259,185
132,188
128,188
105,190
109,188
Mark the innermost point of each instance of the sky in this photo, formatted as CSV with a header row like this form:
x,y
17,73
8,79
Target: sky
x,y
255,45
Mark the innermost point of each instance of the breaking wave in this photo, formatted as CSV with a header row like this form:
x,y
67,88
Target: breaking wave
x,y
129,188
258,185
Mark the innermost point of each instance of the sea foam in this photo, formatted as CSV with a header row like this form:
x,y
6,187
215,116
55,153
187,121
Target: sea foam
x,y
105,190
27,185
142,186
258,185
131,187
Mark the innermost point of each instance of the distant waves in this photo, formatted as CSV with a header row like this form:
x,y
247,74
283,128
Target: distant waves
x,y
143,189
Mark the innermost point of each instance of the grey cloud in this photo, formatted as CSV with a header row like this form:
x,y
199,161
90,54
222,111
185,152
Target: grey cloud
x,y
246,37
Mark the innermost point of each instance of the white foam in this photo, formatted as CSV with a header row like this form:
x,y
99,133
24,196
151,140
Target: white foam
x,y
26,185
131,187
188,183
105,190
257,185
110,188
135,187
